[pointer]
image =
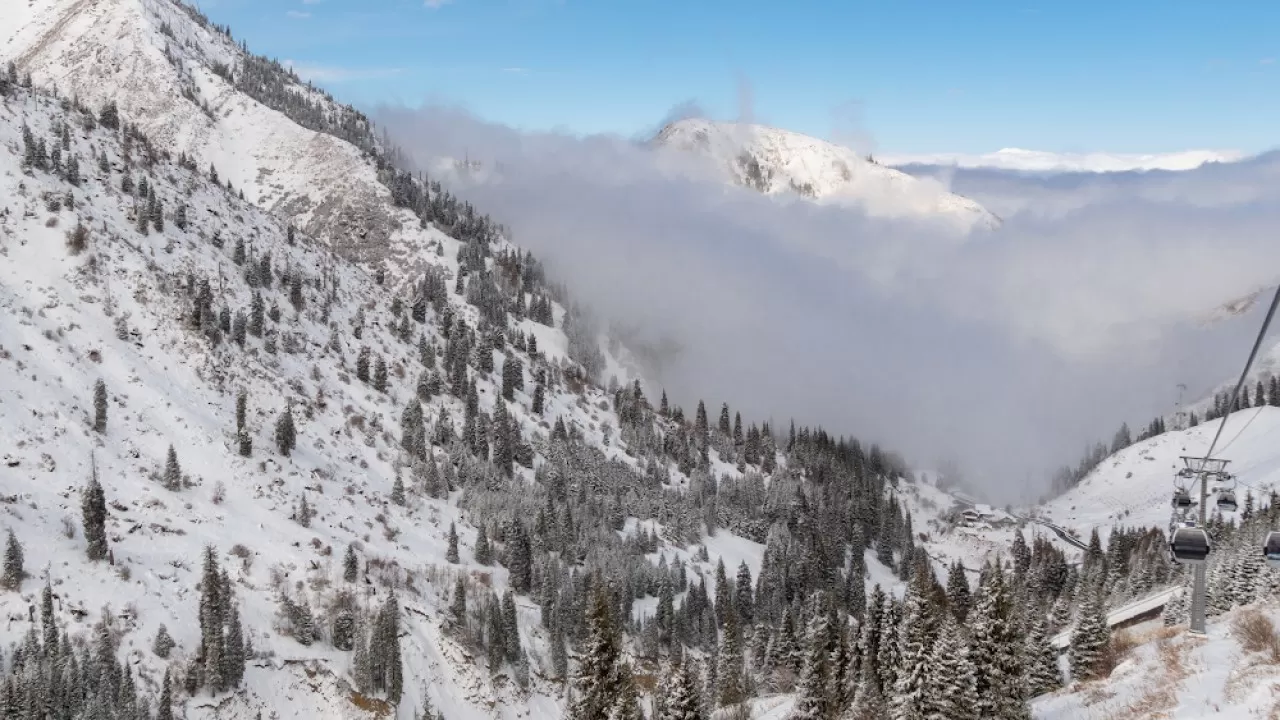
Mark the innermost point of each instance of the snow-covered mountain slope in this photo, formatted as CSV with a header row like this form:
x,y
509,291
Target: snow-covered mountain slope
x,y
1040,161
120,313
1170,674
159,307
775,161
169,71
1134,486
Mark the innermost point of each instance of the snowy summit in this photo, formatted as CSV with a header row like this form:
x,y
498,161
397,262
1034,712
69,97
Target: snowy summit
x,y
775,161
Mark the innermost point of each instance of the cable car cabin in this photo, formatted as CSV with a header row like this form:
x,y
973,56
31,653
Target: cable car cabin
x,y
1271,549
1227,501
1190,546
1181,498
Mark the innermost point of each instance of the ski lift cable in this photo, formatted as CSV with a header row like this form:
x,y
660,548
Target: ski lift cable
x,y
1246,427
1253,354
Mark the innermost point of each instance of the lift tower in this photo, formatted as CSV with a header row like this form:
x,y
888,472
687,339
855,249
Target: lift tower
x,y
1206,469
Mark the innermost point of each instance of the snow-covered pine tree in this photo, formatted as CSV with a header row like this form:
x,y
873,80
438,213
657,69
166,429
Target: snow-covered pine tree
x,y
350,565
1040,657
681,701
172,477
93,511
451,554
813,701
100,407
483,551
915,639
997,650
729,671
163,643
1090,638
604,687
951,686
13,572
959,598
286,435
213,609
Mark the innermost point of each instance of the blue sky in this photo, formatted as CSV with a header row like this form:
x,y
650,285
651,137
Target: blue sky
x,y
894,76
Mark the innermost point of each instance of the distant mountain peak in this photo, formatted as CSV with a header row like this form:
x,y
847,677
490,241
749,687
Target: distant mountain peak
x,y
776,161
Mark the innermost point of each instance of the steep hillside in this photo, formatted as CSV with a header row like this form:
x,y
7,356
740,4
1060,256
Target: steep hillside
x,y
776,161
1134,486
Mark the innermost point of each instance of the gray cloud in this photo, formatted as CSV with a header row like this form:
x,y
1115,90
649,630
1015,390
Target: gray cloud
x,y
1008,350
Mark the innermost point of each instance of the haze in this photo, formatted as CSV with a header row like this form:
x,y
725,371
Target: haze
x,y
1007,350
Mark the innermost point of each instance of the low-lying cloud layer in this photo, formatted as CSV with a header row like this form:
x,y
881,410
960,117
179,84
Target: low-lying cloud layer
x,y
1006,349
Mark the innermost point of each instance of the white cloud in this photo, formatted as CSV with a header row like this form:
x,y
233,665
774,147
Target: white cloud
x,y
1008,349
298,14
436,4
336,74
1038,161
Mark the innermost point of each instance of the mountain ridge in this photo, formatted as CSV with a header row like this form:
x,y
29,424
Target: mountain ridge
x,y
776,162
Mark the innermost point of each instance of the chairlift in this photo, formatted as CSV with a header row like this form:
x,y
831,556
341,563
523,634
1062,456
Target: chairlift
x,y
1271,549
1181,498
1227,500
1190,546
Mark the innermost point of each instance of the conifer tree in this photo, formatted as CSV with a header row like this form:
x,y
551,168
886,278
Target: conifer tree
x,y
483,552
605,689
295,292
243,440
813,699
539,398
681,701
350,565
163,643
451,554
744,603
915,640
286,435
397,491
958,596
257,315
165,709
100,407
47,618
997,650
458,605
1040,658
730,688
172,470
93,510
1090,637
13,571
951,687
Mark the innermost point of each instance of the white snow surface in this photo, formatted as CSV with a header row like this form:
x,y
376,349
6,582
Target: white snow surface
x,y
1173,675
1092,162
792,163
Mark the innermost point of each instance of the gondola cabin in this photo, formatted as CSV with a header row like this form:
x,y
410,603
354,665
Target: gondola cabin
x,y
1190,546
1227,501
1181,498
1271,549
